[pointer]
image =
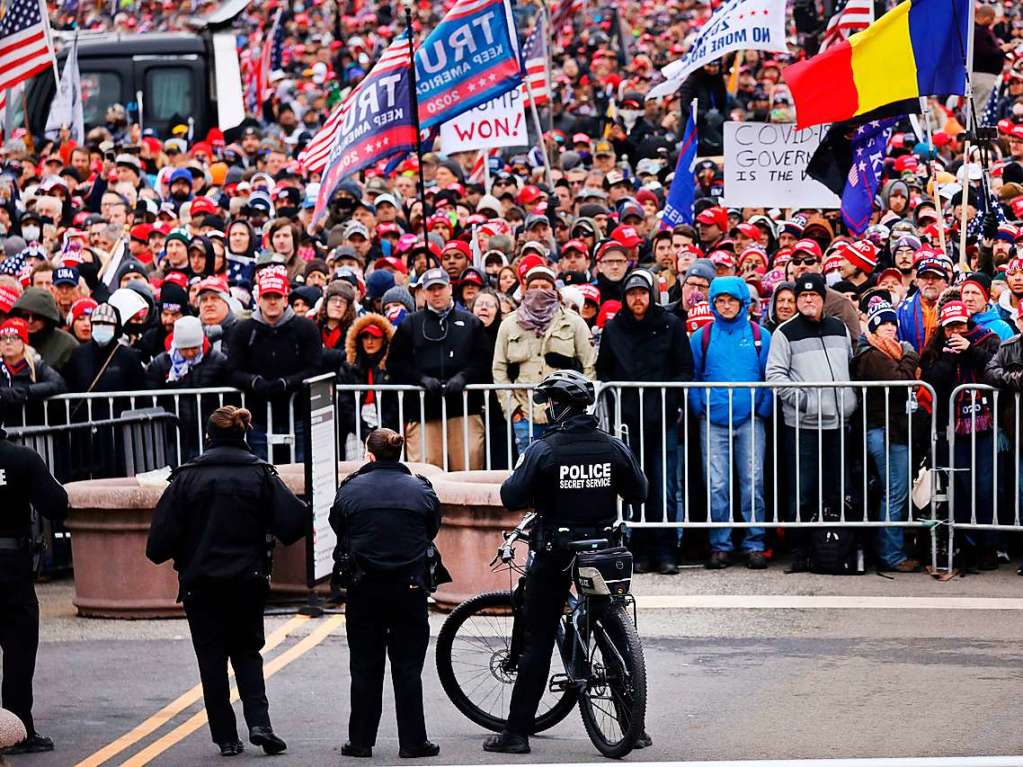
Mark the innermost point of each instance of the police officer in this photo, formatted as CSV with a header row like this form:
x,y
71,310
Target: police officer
x,y
25,482
572,478
214,520
385,518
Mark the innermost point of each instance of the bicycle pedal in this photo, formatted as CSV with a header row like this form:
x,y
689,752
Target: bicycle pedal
x,y
560,683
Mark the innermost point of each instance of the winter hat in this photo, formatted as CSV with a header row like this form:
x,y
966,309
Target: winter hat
x,y
378,283
812,283
399,295
173,298
187,333
981,281
702,268
83,306
15,326
698,316
880,313
953,311
607,312
341,288
105,314
862,254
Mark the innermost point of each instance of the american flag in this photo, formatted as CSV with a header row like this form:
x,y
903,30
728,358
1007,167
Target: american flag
x,y
562,12
534,66
989,116
271,58
314,157
24,43
848,17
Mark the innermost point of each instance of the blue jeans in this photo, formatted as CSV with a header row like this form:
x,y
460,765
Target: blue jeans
x,y
893,469
742,447
520,431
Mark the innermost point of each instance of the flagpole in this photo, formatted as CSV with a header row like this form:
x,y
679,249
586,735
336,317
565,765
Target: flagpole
x,y
414,106
486,171
49,41
924,111
539,130
966,147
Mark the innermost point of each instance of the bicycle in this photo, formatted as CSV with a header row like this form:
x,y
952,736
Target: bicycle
x,y
479,645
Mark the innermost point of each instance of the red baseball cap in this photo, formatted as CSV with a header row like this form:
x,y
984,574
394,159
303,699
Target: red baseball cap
x,y
272,281
590,292
372,329
716,216
202,205
576,245
177,278
527,263
391,262
749,230
722,259
806,245
953,311
627,236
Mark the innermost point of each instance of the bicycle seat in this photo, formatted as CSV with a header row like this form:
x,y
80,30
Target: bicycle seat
x,y
589,544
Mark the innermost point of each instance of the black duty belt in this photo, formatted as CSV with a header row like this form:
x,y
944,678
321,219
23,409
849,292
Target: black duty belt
x,y
13,544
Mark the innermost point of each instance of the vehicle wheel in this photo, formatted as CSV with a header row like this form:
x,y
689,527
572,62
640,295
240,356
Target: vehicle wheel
x,y
613,705
472,654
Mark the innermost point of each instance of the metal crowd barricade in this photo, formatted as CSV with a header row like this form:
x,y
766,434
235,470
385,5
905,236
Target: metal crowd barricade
x,y
107,419
986,511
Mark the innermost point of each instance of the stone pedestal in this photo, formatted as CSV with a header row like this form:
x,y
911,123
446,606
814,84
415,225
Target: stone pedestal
x,y
473,520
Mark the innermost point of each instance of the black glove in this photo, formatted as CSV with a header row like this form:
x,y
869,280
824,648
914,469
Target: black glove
x,y
431,384
562,362
455,384
990,225
261,386
278,386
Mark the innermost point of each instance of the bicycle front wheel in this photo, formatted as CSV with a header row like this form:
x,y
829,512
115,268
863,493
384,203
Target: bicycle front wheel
x,y
613,705
476,670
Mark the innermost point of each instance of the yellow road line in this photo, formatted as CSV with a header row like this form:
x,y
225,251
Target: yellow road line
x,y
175,707
182,731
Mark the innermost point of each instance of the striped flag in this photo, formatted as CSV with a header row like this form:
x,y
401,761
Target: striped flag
x,y
271,57
563,11
24,42
534,66
314,156
849,16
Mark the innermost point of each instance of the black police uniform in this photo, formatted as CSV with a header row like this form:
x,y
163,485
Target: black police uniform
x,y
385,518
24,482
572,478
213,520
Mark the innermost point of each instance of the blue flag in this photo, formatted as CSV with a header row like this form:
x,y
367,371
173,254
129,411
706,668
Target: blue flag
x,y
678,209
467,60
868,152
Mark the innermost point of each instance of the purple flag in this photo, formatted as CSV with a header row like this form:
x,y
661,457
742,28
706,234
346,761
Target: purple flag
x,y
868,151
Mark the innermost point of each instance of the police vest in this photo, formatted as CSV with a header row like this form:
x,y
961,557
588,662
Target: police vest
x,y
581,485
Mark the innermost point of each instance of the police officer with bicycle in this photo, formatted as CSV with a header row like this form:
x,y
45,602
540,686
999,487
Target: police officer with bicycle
x,y
25,482
572,477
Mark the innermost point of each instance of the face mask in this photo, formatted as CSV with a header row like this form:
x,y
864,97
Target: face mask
x,y
102,334
396,314
30,233
832,277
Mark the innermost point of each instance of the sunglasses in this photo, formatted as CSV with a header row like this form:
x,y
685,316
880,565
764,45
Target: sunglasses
x,y
805,261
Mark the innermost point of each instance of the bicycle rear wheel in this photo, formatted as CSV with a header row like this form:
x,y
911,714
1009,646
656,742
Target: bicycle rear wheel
x,y
473,664
613,705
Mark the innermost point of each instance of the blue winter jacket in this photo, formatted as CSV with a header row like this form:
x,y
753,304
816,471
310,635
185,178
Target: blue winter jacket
x,y
991,319
731,356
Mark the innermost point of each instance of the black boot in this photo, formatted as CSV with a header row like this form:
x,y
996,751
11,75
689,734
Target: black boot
x,y
359,752
33,744
265,738
426,748
231,748
507,743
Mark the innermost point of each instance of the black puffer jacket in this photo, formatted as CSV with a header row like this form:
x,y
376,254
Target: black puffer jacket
x,y
213,518
28,387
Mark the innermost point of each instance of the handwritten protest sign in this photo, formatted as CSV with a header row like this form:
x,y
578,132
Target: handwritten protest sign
x,y
500,122
765,166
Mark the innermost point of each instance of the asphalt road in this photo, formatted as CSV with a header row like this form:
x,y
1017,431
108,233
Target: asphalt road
x,y
734,674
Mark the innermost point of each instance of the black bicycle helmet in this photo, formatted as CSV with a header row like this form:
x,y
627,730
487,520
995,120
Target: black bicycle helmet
x,y
565,387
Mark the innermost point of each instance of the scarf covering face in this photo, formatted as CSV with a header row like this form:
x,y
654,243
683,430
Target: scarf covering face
x,y
537,310
180,367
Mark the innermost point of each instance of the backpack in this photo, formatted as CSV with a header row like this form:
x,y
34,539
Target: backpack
x,y
835,550
705,343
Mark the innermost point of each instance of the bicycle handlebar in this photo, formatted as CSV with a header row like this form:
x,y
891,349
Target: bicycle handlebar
x,y
506,551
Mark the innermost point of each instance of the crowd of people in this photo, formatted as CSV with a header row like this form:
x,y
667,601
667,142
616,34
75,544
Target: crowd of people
x,y
135,262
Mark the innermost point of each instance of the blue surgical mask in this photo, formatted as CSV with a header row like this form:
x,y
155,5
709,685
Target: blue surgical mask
x,y
102,334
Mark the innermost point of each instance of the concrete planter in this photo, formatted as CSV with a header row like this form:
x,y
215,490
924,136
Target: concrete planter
x,y
473,520
109,523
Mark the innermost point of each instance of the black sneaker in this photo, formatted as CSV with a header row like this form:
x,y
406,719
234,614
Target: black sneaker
x,y
719,560
359,752
267,740
425,749
231,748
33,744
756,560
507,743
643,741
799,565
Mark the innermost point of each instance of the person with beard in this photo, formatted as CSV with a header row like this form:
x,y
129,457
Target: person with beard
x,y
180,187
918,314
241,253
539,338
645,342
612,259
904,251
366,346
173,305
270,356
38,308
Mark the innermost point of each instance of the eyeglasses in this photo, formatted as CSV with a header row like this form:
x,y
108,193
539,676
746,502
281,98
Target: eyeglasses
x,y
614,261
805,261
697,284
